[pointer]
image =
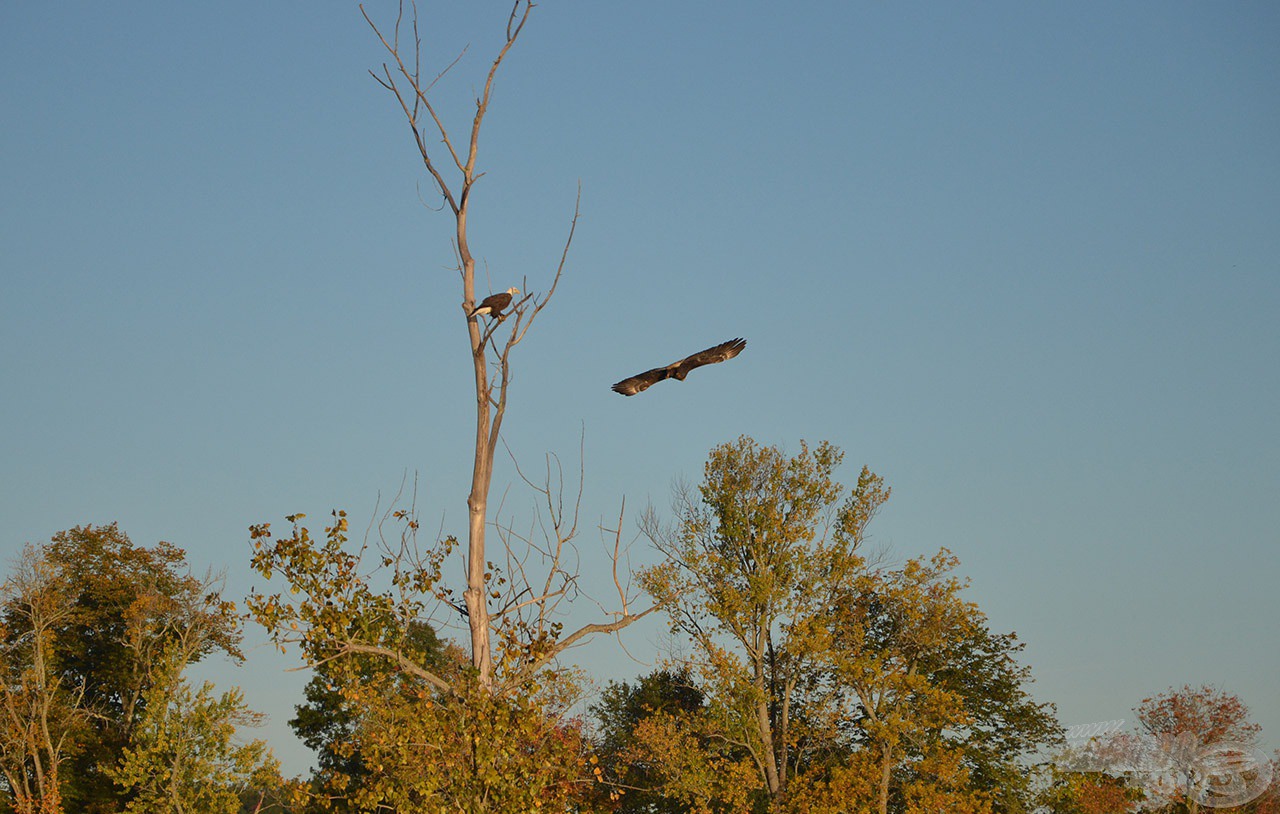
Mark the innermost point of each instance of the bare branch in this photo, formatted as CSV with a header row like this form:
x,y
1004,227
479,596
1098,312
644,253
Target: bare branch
x,y
564,255
405,663
420,98
617,545
569,641
482,104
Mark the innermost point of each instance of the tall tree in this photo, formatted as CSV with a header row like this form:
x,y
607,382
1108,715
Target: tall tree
x,y
752,565
125,607
826,673
340,607
492,334
882,630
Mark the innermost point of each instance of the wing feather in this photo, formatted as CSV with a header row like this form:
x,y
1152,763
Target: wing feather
x,y
718,353
641,381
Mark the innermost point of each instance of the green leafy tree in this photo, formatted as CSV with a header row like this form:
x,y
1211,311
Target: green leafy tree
x,y
427,729
931,691
621,709
469,750
329,722
184,756
121,608
753,562
822,673
130,606
693,765
1005,724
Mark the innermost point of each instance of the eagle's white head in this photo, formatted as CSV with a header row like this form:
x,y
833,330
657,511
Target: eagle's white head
x,y
513,291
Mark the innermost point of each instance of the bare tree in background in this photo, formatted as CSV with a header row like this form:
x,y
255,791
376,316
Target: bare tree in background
x,y
40,710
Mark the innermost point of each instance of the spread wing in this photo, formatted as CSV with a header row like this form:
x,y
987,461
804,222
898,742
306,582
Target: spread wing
x,y
680,369
641,381
719,353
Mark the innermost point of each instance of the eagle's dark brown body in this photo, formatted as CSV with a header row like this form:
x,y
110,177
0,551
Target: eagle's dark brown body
x,y
494,303
678,370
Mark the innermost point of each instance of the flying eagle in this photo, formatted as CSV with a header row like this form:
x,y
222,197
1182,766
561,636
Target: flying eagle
x,y
494,303
680,369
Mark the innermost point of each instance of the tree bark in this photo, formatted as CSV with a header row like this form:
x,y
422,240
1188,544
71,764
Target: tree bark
x,y
481,472
886,772
762,718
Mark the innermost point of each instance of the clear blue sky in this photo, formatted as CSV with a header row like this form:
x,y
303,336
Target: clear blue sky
x,y
1023,260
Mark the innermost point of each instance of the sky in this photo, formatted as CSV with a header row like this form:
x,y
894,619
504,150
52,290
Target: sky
x,y
1021,260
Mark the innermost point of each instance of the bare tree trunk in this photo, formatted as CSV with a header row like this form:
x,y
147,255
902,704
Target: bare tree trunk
x,y
489,410
477,509
491,340
482,468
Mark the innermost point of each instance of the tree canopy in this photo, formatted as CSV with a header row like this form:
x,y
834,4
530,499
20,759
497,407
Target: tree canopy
x,y
821,665
96,635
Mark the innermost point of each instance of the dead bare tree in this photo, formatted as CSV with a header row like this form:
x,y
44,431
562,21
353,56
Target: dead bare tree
x,y
453,167
404,80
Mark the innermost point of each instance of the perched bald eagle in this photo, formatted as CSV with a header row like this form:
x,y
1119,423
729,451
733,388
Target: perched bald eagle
x,y
678,370
494,303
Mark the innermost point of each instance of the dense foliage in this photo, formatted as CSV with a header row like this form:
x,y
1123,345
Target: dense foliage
x,y
96,633
806,676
